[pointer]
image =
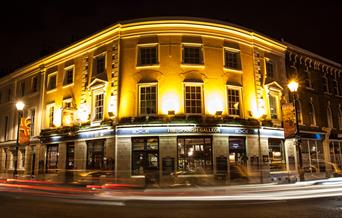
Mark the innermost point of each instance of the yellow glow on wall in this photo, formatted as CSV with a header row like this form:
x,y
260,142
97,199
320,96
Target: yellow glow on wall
x,y
214,103
83,113
170,102
57,117
112,105
67,120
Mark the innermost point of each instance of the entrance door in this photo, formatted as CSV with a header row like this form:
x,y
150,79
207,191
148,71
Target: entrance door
x,y
95,153
145,158
237,159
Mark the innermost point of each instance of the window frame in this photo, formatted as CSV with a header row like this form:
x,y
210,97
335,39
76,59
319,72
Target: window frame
x,y
143,85
194,84
138,56
330,119
48,82
325,84
48,108
95,67
232,50
66,69
94,106
239,89
34,89
193,45
272,62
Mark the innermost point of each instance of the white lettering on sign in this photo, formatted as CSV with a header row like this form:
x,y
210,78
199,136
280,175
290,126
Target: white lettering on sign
x,y
195,130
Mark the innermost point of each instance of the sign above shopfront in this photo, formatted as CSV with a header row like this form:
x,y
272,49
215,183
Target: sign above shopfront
x,y
192,130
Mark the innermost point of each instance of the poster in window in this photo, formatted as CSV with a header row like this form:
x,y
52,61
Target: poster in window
x,y
289,120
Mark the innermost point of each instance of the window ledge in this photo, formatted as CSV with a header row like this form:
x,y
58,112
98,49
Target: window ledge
x,y
68,85
193,65
232,70
50,91
310,88
147,66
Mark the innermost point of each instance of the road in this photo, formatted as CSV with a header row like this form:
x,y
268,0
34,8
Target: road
x,y
15,205
39,199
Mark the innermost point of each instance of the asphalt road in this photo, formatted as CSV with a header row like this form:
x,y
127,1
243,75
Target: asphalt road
x,y
18,205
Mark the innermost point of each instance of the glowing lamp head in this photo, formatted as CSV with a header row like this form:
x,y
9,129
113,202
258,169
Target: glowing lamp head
x,y
20,105
293,86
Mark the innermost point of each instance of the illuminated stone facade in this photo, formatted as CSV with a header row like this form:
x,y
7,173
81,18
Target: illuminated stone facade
x,y
151,98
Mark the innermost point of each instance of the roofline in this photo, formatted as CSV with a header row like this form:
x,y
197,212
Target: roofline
x,y
299,49
117,26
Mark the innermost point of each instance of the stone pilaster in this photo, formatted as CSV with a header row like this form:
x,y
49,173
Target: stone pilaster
x,y
80,155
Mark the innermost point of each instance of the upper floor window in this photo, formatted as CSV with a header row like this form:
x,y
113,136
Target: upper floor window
x,y
307,78
148,99
335,87
99,64
68,76
234,101
34,84
325,84
192,54
232,59
52,81
299,112
9,93
22,89
330,117
147,55
312,114
51,114
269,68
6,128
273,103
340,118
193,98
32,117
98,107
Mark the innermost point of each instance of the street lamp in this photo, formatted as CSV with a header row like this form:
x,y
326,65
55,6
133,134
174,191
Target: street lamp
x,y
20,106
293,86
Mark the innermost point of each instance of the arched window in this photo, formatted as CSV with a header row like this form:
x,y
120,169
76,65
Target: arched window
x,y
325,84
329,118
299,111
312,114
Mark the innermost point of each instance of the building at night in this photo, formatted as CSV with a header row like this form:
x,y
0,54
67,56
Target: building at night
x,y
319,109
154,97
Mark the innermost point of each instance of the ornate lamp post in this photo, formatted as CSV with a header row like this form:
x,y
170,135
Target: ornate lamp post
x,y
293,86
20,106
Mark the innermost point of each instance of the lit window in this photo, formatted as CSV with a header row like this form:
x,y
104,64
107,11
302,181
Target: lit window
x,y
34,85
145,155
232,59
195,155
148,99
51,113
147,55
99,107
68,76
276,154
193,99
52,81
192,55
269,68
273,106
234,101
99,64
52,157
70,157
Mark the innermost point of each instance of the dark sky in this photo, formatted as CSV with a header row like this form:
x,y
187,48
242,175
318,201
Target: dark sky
x,y
32,30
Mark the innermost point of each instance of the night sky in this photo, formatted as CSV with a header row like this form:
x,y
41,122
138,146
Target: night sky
x,y
32,30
